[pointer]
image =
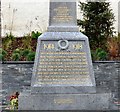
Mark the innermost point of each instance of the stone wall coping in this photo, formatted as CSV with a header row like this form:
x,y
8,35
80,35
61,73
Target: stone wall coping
x,y
32,62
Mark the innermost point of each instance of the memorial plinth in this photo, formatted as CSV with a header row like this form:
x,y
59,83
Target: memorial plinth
x,y
63,77
63,64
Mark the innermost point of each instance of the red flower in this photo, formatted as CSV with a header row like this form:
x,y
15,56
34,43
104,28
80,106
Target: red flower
x,y
14,96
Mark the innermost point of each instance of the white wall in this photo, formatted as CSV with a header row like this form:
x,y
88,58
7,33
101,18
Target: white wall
x,y
119,17
32,15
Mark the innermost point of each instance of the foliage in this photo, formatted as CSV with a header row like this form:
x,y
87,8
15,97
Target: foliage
x,y
27,40
16,55
14,101
18,48
25,52
97,22
99,54
119,44
113,46
9,38
1,56
28,55
3,53
35,35
17,51
119,35
14,104
31,56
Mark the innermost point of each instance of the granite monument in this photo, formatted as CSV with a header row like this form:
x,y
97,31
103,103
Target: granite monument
x,y
63,77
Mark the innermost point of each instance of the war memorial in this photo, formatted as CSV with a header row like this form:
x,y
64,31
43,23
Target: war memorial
x,y
63,76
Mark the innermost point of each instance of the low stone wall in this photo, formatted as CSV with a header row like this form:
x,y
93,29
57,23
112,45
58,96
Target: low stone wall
x,y
17,77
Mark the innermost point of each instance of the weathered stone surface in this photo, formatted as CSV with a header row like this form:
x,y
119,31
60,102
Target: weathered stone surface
x,y
63,16
63,61
99,101
106,75
45,83
63,29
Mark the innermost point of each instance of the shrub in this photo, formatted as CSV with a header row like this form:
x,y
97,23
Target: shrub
x,y
15,56
99,54
1,56
31,56
17,51
35,35
26,41
119,44
113,45
7,41
97,22
3,53
25,52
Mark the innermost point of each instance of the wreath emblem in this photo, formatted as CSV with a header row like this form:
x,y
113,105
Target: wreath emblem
x,y
63,44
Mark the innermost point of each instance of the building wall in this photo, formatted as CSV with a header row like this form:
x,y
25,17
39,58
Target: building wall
x,y
23,16
26,16
0,20
119,17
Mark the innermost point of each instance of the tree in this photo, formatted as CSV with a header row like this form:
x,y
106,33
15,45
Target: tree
x,y
97,22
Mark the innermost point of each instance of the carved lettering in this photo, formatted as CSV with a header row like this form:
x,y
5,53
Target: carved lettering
x,y
77,46
48,46
62,67
62,14
63,101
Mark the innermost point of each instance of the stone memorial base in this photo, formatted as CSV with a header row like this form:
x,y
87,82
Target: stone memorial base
x,y
95,101
63,77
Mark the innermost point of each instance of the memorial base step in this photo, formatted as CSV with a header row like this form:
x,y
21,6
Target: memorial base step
x,y
95,101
